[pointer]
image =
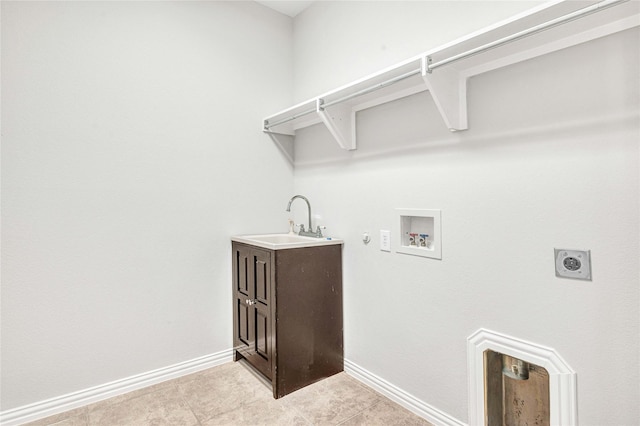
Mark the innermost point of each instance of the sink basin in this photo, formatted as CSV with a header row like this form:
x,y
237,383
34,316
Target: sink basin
x,y
284,241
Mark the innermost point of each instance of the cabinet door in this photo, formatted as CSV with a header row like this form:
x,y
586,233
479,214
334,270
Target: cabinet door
x,y
242,330
252,306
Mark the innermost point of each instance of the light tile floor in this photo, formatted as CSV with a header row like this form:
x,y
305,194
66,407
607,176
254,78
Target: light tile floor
x,y
232,394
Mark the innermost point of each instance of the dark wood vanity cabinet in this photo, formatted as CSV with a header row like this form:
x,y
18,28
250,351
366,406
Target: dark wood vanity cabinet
x,y
287,313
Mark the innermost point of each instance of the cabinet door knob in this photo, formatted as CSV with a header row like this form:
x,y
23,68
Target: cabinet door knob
x,y
250,302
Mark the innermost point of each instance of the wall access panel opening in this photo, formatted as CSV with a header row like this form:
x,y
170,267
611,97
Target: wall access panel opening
x,y
419,233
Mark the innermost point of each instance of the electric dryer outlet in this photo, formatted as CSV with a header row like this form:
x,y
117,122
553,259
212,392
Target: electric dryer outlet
x,y
574,264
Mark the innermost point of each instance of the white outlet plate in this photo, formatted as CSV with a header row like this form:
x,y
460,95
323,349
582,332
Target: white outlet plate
x,y
575,264
385,240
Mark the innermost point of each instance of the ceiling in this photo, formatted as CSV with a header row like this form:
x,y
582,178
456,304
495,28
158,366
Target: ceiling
x,y
288,7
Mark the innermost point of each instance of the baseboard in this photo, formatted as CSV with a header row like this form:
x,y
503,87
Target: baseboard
x,y
396,394
49,407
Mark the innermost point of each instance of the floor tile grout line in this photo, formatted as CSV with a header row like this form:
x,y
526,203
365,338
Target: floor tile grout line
x,y
369,407
301,414
204,417
186,401
375,404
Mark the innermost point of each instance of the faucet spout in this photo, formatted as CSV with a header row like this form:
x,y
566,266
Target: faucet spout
x,y
308,207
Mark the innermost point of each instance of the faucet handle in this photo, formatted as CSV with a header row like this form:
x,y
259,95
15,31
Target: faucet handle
x,y
301,225
319,230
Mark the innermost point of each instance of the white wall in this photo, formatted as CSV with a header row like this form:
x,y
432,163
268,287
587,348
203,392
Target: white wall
x,y
337,42
131,152
551,159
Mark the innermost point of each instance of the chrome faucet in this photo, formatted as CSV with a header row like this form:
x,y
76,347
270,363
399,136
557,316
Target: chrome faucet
x,y
309,233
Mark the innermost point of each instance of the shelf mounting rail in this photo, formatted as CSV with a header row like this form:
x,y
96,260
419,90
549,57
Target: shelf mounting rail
x,y
364,91
448,89
526,33
472,52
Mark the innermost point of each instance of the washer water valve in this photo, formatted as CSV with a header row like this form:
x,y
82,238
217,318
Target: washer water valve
x,y
423,240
